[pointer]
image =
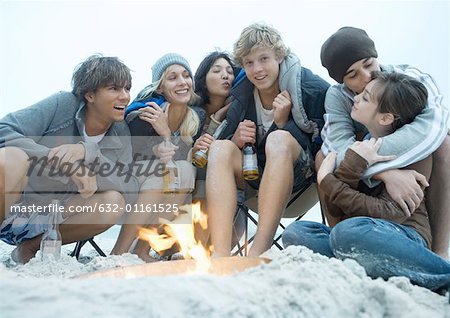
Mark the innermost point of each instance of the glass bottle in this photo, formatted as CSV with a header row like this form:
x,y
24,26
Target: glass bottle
x,y
170,174
200,158
51,239
250,162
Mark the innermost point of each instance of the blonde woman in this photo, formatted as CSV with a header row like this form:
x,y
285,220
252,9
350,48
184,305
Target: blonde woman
x,y
162,112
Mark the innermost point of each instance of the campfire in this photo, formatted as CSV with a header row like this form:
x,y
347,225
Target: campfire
x,y
182,231
197,257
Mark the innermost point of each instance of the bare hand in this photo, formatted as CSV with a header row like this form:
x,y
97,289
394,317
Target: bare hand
x,y
282,105
368,149
166,151
405,187
327,167
86,182
155,116
68,153
245,133
222,112
203,143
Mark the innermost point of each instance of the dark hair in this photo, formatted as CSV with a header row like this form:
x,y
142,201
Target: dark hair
x,y
98,71
203,69
400,95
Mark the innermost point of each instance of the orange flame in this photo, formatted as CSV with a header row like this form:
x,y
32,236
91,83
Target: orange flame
x,y
181,231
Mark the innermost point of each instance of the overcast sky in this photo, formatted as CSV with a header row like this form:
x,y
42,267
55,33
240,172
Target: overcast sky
x,y
42,42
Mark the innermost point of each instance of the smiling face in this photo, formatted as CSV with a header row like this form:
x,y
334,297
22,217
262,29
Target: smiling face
x,y
219,78
358,74
262,68
107,104
177,85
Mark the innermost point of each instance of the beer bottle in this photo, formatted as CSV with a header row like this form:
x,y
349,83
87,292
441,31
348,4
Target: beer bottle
x,y
250,162
200,158
170,174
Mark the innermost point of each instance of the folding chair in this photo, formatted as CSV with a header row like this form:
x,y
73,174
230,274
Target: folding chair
x,y
299,203
76,251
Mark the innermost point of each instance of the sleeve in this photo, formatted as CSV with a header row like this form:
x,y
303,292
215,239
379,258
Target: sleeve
x,y
416,141
339,130
313,92
143,137
201,113
233,119
347,198
24,128
213,124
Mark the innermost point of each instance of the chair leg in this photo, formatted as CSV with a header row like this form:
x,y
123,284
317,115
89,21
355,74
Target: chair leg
x,y
243,248
275,241
324,220
295,197
246,237
96,247
239,248
76,251
278,244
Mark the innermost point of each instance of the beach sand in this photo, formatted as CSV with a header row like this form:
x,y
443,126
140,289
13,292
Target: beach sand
x,y
297,283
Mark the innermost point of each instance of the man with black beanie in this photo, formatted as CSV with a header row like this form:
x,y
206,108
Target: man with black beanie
x,y
350,56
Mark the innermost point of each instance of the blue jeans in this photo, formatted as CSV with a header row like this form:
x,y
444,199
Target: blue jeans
x,y
383,248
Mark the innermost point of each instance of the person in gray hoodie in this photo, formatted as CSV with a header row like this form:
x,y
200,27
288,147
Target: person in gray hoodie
x,y
74,147
279,108
350,56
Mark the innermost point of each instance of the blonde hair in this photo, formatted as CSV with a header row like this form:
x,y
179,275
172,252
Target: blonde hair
x,y
259,35
191,122
189,126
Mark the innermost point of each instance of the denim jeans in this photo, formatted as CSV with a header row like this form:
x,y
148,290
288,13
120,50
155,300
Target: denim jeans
x,y
382,247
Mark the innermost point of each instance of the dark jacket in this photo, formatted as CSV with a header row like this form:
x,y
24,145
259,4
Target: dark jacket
x,y
311,96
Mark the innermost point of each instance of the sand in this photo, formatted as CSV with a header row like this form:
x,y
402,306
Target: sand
x,y
297,283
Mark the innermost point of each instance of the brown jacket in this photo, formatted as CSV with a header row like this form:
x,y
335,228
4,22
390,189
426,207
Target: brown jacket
x,y
345,196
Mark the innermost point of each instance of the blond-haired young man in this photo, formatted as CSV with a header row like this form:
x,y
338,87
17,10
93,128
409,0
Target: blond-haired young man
x,y
278,107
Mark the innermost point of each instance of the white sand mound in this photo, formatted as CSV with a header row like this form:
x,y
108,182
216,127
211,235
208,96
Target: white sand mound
x,y
297,283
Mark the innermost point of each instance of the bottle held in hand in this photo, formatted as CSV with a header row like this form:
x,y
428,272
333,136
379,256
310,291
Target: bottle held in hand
x,y
250,162
200,158
170,175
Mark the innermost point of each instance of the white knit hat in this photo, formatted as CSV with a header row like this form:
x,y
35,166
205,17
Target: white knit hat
x,y
167,60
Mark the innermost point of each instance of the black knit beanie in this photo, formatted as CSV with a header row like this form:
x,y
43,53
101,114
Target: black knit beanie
x,y
345,47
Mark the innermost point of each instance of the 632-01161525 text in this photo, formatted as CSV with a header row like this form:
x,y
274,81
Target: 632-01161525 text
x,y
100,207
130,208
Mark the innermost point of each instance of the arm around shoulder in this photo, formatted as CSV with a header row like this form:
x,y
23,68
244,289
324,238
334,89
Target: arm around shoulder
x,y
339,131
